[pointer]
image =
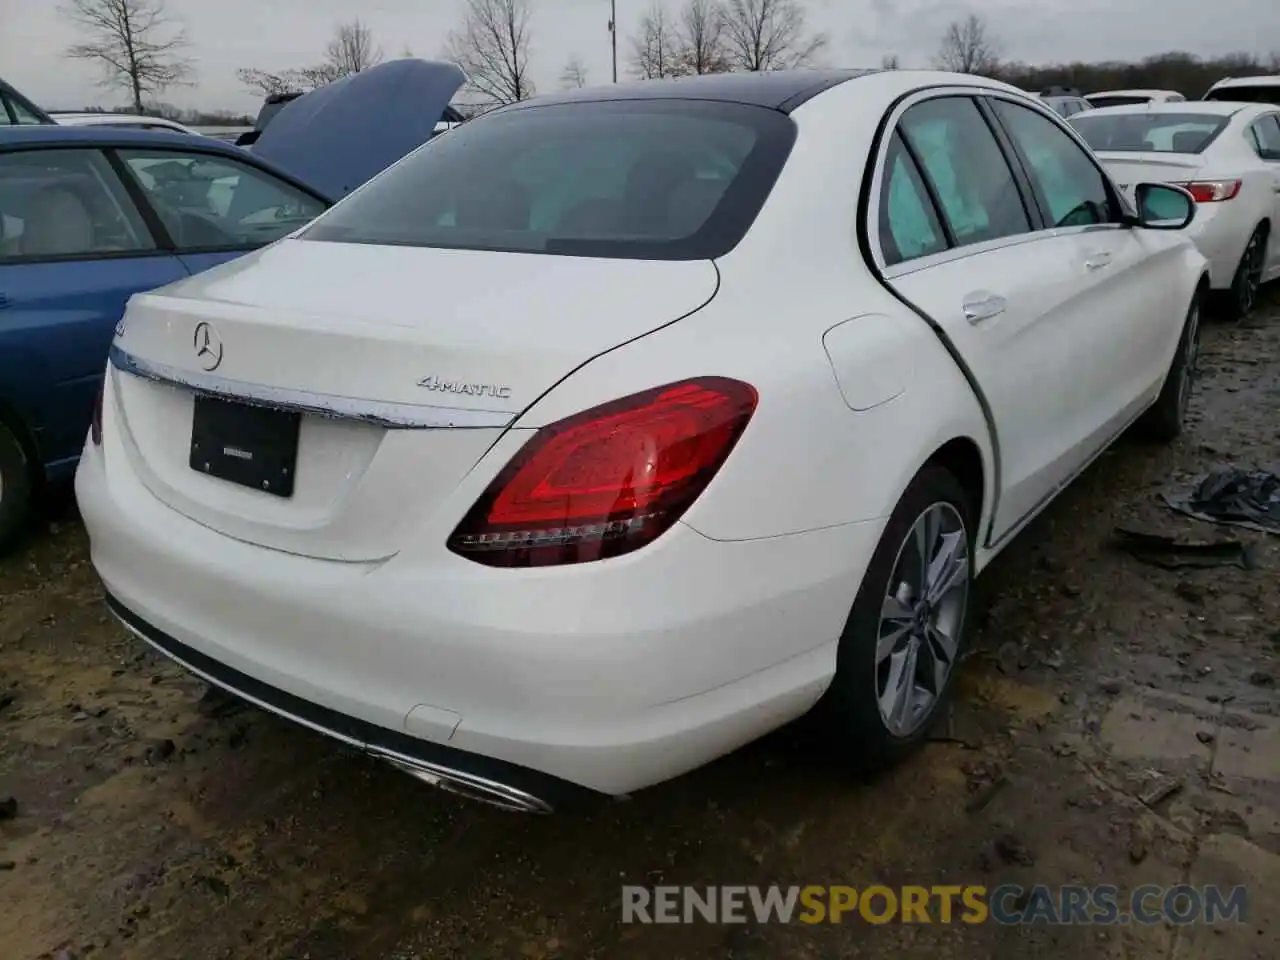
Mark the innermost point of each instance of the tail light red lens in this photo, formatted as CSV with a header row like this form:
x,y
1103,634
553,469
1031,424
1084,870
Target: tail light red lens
x,y
609,480
1213,191
95,425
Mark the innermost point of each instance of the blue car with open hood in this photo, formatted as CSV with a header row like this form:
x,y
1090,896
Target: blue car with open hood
x,y
90,216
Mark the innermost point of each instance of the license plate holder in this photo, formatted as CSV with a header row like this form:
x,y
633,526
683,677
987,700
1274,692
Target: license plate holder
x,y
248,445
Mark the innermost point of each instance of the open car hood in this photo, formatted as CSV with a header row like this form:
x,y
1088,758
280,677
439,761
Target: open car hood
x,y
346,132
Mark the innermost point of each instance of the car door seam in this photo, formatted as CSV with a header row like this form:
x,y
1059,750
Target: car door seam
x,y
864,247
159,232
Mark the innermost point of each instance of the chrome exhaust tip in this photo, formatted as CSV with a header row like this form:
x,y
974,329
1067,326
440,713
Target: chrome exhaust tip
x,y
465,785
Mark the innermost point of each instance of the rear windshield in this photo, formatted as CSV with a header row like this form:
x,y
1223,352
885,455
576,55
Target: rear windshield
x,y
1129,101
1262,93
646,179
1149,132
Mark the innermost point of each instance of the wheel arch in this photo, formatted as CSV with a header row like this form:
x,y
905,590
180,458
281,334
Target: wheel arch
x,y
22,432
962,457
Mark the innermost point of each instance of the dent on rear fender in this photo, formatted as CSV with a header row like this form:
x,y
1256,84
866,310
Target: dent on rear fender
x,y
868,356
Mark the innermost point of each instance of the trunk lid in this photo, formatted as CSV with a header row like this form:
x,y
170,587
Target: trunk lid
x,y
408,363
1129,169
347,132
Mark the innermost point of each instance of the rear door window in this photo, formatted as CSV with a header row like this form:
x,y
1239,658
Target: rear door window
x,y
57,204
966,168
1266,134
909,227
210,202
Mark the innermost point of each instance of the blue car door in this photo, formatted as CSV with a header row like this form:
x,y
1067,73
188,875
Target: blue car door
x,y
73,249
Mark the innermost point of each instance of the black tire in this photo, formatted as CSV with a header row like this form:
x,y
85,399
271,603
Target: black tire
x,y
1243,295
850,709
15,488
1163,421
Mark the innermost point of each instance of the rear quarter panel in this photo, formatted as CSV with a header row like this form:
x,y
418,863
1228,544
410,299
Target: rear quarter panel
x,y
807,460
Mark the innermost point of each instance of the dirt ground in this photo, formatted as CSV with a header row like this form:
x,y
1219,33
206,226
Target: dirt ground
x,y
148,825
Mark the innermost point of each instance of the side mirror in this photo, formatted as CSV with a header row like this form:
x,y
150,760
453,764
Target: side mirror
x,y
1162,206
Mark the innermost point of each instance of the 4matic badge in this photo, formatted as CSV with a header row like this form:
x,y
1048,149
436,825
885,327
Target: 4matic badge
x,y
497,391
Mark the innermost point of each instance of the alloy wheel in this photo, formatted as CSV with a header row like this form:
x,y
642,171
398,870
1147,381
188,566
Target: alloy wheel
x,y
1190,360
1251,274
921,619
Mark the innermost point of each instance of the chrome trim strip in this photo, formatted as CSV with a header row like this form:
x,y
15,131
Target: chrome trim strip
x,y
393,416
465,785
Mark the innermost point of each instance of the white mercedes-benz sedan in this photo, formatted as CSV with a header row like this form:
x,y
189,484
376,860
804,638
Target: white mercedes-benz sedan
x,y
1228,156
621,426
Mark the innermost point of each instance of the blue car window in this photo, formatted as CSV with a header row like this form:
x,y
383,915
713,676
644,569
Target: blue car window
x,y
65,203
210,202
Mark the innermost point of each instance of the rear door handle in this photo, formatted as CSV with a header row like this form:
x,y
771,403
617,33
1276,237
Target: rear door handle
x,y
4,301
983,306
1097,261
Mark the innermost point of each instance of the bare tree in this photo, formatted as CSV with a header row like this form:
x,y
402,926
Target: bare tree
x,y
351,50
492,49
653,49
700,38
890,62
575,74
407,53
134,42
266,84
967,47
768,35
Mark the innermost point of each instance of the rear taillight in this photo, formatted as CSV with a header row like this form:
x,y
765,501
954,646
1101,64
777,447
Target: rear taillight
x,y
609,480
95,425
1212,191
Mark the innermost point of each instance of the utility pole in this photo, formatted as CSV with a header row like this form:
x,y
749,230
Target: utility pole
x,y
613,35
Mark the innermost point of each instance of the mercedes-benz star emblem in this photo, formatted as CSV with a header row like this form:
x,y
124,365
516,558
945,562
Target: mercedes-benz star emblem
x,y
208,346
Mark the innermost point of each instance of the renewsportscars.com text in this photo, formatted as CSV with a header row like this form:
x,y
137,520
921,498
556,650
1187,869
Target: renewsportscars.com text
x,y
1006,904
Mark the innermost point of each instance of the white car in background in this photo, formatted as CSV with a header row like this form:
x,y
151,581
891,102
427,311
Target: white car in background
x,y
1265,89
525,469
1228,156
1126,98
129,120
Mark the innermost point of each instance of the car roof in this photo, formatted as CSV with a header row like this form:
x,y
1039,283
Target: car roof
x,y
106,135
107,119
1219,108
778,90
1266,80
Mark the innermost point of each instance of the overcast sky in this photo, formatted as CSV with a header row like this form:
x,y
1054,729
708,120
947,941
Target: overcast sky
x,y
278,34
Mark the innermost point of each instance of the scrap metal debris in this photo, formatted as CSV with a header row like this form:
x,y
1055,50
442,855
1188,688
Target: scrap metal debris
x,y
1161,550
1234,497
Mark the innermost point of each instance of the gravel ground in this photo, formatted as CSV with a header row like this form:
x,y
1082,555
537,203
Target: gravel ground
x,y
1118,723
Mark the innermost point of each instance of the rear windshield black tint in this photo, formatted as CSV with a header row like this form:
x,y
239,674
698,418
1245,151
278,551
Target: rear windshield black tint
x,y
1263,93
647,179
1149,132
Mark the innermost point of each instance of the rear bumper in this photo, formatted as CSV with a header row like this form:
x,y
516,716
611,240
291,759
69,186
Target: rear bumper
x,y
503,784
610,676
